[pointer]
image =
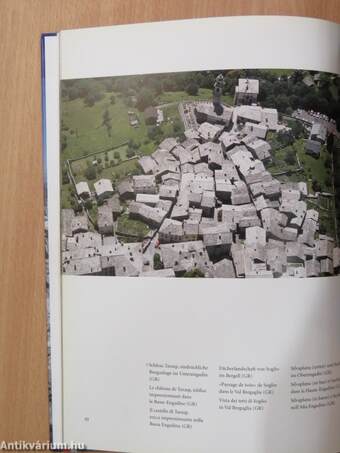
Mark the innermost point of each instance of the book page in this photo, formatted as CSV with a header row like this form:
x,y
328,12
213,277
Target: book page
x,y
199,236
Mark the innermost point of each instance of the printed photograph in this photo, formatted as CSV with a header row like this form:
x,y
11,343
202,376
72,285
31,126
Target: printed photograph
x,y
215,174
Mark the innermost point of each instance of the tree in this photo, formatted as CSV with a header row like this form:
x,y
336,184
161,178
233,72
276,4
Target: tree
x,y
90,173
285,138
73,93
130,153
294,101
316,186
155,85
328,162
177,127
154,133
144,98
194,273
63,141
65,178
330,143
297,129
328,181
192,89
290,157
265,91
106,117
322,227
108,84
157,262
88,204
90,100
282,102
93,94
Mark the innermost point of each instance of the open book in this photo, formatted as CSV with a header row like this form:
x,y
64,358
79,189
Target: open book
x,y
193,225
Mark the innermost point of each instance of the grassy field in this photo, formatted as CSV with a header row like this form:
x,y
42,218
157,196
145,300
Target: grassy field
x,y
131,226
279,164
66,196
114,173
314,169
179,96
80,165
86,132
89,140
326,210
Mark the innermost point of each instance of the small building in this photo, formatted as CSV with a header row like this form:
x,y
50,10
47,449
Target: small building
x,y
168,192
190,143
336,259
180,210
159,273
168,144
326,266
105,220
313,147
84,266
295,252
324,247
191,133
215,158
258,130
318,133
66,221
119,265
313,268
209,132
240,194
153,216
246,92
255,235
224,269
170,231
144,184
208,203
83,190
190,229
228,140
150,115
114,205
148,164
150,199
205,112
260,149
79,224
125,189
103,189
85,240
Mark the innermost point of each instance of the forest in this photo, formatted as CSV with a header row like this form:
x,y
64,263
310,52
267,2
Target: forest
x,y
284,90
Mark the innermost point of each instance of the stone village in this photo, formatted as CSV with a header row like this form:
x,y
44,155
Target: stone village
x,y
212,207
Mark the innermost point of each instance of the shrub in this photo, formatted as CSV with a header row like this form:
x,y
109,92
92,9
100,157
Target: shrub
x,y
157,262
90,173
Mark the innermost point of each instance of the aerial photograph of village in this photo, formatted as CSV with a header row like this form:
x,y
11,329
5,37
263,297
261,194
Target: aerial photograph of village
x,y
227,174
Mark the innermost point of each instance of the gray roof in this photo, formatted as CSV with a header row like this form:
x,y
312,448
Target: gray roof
x,y
313,147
